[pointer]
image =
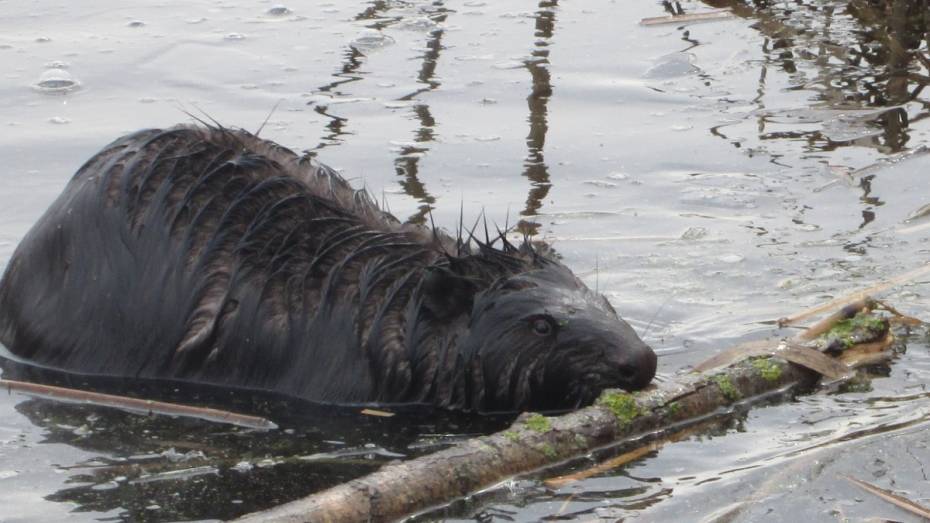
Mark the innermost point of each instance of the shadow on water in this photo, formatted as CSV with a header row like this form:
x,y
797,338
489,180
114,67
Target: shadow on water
x,y
164,468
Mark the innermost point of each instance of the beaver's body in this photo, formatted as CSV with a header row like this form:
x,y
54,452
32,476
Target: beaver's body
x,y
210,255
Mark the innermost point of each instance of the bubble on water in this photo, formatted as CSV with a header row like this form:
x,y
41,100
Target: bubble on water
x,y
672,66
600,183
198,20
57,64
694,233
135,23
56,81
371,40
278,10
43,39
618,176
59,120
421,23
489,138
234,36
731,258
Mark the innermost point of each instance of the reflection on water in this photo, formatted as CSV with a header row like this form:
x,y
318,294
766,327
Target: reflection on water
x,y
863,57
535,168
162,468
408,161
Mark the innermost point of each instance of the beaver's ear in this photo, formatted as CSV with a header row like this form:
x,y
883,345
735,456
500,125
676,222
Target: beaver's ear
x,y
446,294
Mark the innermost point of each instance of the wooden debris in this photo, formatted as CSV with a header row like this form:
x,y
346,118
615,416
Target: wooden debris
x,y
899,501
136,405
704,16
378,413
856,296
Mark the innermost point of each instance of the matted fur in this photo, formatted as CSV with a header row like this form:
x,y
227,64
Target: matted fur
x,y
210,255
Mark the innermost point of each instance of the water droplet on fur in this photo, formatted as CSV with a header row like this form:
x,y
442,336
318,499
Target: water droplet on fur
x,y
56,81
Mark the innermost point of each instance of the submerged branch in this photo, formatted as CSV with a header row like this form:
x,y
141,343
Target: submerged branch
x,y
136,405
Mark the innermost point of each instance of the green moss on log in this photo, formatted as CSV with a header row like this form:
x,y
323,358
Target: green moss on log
x,y
548,450
846,330
622,405
727,388
767,368
538,422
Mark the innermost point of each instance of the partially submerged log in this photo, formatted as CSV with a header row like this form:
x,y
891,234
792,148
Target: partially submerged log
x,y
535,441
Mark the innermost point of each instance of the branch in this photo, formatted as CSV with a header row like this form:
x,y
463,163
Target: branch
x,y
135,404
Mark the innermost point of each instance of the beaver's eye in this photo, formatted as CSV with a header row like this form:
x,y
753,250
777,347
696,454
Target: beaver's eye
x,y
543,326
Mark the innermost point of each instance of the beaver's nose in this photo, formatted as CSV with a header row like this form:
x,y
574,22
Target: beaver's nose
x,y
636,366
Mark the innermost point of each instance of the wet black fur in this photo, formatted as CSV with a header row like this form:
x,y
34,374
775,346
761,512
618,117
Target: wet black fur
x,y
210,255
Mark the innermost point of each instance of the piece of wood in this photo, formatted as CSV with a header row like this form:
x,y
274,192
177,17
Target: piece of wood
x,y
704,16
881,286
899,501
136,405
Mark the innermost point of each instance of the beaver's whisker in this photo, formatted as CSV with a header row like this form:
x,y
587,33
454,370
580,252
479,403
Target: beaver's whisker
x,y
656,314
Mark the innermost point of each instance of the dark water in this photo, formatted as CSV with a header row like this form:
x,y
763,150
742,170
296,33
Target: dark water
x,y
708,178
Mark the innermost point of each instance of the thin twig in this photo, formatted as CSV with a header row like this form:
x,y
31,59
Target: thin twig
x,y
891,497
136,405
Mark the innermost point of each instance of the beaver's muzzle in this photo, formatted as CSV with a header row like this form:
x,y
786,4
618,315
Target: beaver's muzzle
x,y
636,365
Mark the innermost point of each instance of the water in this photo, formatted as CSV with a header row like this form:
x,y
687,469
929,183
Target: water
x,y
707,177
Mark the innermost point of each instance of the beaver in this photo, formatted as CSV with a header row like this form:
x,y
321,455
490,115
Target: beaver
x,y
206,254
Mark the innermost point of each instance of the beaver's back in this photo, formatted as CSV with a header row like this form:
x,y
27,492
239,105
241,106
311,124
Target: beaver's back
x,y
212,255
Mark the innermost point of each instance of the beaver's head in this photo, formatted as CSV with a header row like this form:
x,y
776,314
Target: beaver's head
x,y
541,340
